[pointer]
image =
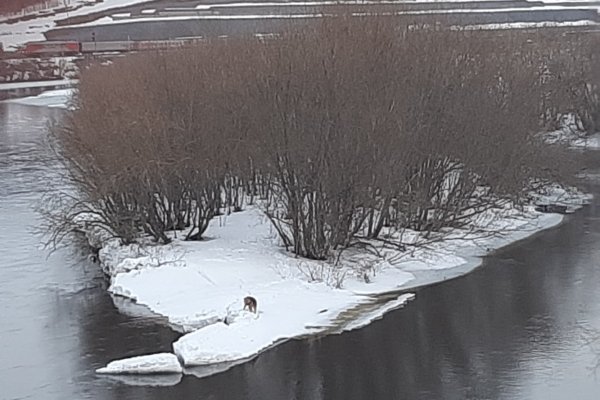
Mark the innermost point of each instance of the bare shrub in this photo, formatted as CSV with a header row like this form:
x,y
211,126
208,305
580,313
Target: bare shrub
x,y
337,130
322,272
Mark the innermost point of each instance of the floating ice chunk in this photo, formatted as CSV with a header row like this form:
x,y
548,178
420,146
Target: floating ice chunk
x,y
161,363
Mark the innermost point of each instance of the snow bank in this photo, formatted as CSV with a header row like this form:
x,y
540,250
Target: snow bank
x,y
571,198
288,310
161,363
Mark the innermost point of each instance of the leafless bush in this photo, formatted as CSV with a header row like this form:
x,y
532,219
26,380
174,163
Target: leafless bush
x,y
570,77
148,167
337,130
331,275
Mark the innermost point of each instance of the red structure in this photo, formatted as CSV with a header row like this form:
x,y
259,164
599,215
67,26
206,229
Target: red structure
x,y
54,48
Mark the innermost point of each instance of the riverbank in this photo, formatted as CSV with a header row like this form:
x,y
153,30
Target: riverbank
x,y
199,286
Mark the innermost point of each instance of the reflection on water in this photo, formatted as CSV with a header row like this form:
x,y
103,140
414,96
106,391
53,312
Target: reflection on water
x,y
514,329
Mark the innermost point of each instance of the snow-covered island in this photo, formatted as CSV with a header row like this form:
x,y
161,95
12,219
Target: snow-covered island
x,y
200,286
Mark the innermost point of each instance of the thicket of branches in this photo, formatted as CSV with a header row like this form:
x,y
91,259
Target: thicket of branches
x,y
337,131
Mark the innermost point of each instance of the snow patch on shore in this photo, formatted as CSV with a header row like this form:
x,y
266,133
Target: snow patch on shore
x,y
591,142
571,133
245,334
59,98
574,139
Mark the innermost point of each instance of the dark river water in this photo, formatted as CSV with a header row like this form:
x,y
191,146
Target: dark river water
x,y
521,327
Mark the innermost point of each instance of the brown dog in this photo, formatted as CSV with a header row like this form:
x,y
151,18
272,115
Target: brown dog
x,y
250,303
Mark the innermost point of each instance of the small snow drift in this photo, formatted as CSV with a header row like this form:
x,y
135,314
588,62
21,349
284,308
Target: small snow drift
x,y
160,363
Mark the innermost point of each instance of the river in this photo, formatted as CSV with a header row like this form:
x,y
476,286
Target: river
x,y
517,328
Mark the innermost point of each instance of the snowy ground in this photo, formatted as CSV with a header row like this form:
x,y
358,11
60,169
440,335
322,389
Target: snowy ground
x,y
199,286
72,7
119,19
16,34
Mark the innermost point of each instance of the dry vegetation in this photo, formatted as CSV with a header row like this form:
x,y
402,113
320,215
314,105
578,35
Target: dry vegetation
x,y
336,131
